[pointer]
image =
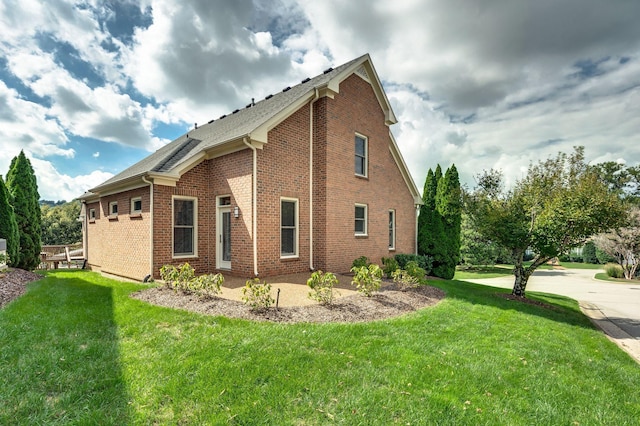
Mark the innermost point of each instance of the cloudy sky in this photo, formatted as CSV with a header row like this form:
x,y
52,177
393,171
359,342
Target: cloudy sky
x,y
88,88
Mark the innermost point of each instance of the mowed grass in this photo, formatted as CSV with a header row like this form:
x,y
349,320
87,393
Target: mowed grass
x,y
77,350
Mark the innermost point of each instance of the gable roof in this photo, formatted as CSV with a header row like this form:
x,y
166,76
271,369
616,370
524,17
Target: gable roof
x,y
252,123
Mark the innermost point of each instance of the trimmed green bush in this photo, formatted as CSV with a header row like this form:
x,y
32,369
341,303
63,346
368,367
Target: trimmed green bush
x,y
589,253
389,266
425,262
360,261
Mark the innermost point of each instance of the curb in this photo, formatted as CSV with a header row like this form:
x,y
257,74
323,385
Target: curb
x,y
611,330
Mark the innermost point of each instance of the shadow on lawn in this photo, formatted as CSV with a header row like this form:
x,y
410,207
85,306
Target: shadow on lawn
x,y
60,355
558,308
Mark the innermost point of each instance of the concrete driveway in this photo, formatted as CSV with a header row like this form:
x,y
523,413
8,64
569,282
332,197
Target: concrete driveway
x,y
613,307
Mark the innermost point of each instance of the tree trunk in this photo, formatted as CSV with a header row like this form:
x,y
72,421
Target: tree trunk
x,y
522,277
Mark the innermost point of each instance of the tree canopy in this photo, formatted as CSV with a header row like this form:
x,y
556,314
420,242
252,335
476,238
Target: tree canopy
x,y
60,223
558,205
623,243
23,190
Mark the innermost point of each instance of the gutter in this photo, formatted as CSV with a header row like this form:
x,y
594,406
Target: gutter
x,y
315,98
254,215
150,183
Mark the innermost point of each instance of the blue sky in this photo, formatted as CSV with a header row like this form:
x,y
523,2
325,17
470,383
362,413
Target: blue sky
x,y
88,88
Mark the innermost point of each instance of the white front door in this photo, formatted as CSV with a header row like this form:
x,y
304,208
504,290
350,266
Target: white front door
x,y
223,251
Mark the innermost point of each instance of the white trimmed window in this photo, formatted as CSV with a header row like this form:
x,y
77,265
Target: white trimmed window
x,y
361,219
136,205
92,214
185,226
288,227
361,147
392,229
113,208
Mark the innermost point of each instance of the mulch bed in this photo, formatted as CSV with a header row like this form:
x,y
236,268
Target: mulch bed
x,y
13,284
389,302
509,296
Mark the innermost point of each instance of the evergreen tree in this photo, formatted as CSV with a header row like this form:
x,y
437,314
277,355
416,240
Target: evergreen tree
x,y
430,226
589,253
8,224
23,190
449,207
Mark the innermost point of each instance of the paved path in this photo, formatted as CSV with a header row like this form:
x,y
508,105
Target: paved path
x,y
613,307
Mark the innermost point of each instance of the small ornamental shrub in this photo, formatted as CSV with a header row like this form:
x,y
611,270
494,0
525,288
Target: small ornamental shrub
x,y
177,278
183,278
367,279
321,284
360,261
614,270
414,270
404,279
389,266
257,294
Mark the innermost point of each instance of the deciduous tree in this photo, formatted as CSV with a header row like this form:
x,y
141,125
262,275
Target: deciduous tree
x,y
623,243
558,205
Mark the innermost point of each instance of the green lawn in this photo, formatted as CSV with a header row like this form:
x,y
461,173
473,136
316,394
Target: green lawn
x,y
77,350
604,277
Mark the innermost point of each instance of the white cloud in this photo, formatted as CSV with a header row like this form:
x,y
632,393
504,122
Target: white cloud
x,y
96,154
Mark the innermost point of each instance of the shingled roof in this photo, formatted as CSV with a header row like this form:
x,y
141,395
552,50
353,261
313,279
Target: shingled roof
x,y
251,122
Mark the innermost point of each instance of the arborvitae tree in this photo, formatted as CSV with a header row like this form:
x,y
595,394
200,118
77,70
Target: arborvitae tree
x,y
8,224
23,190
589,253
430,226
449,207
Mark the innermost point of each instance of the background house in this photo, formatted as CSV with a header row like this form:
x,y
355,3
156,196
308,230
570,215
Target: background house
x,y
308,178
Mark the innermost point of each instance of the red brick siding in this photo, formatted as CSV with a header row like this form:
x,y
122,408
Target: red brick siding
x,y
356,109
120,246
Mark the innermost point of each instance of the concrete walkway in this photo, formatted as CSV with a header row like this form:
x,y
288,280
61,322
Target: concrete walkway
x,y
613,307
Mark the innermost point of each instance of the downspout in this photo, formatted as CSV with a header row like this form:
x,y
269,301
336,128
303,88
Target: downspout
x,y
150,183
315,98
416,238
254,215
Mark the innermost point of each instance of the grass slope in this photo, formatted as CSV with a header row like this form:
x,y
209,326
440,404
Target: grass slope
x,y
76,349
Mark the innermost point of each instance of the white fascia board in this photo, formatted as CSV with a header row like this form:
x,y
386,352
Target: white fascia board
x,y
404,170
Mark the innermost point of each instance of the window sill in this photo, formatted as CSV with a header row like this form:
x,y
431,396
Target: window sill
x,y
184,256
92,221
392,249
289,258
362,235
135,216
362,177
113,217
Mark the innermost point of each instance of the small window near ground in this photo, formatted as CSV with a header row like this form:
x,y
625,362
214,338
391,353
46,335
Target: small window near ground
x,y
184,226
392,229
361,219
288,227
361,155
113,208
136,205
92,214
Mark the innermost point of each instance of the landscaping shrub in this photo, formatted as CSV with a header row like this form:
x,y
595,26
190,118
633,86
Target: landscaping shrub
x,y
414,270
183,278
360,261
404,279
389,266
425,262
367,279
604,257
614,270
257,294
321,284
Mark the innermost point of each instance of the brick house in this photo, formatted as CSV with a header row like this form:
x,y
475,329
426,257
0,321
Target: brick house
x,y
308,178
